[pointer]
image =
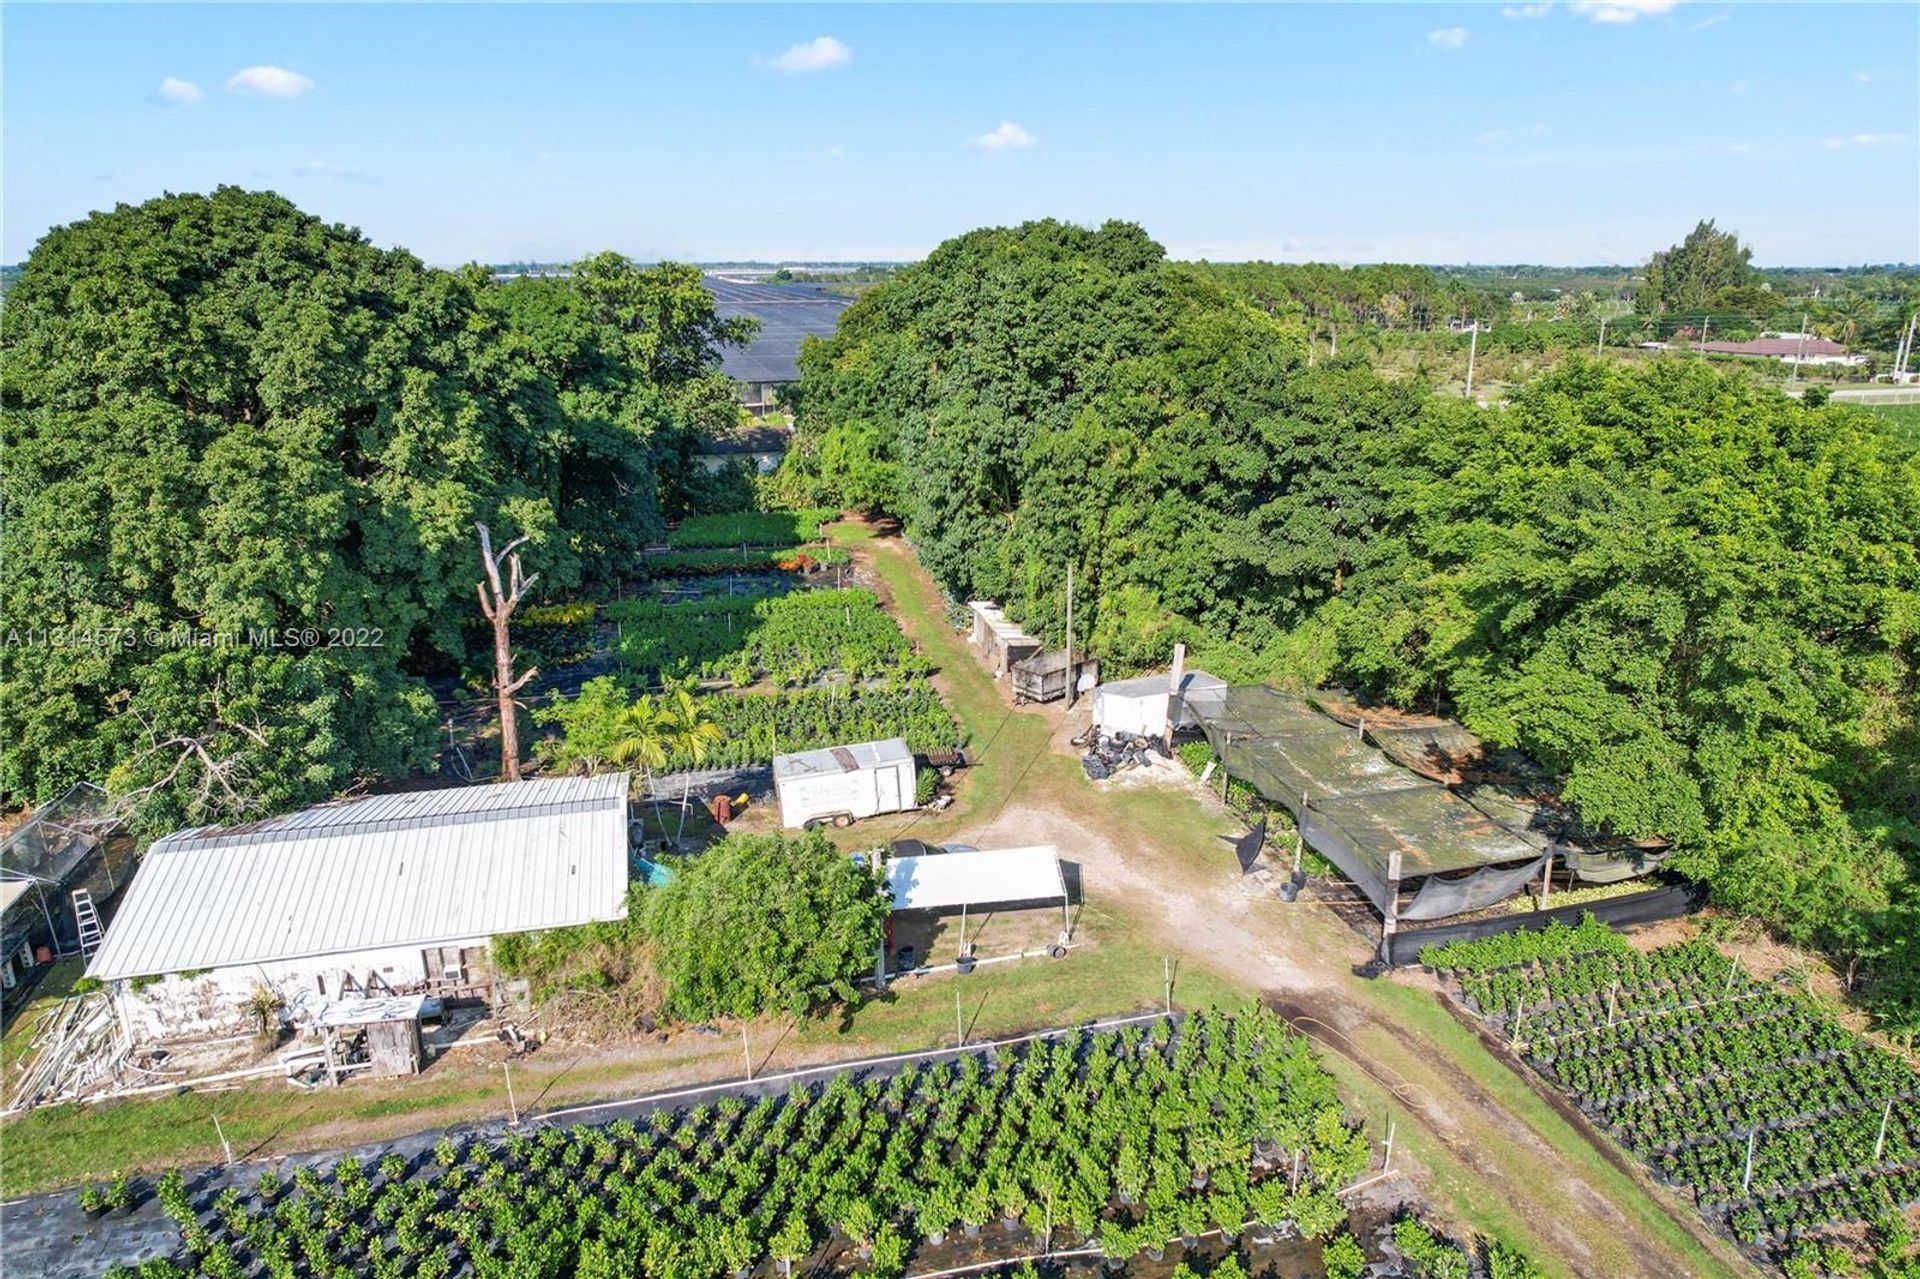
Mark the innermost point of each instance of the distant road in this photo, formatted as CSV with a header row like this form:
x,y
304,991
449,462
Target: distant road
x,y
1869,394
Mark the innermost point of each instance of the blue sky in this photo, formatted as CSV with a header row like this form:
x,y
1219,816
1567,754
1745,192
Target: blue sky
x,y
1441,133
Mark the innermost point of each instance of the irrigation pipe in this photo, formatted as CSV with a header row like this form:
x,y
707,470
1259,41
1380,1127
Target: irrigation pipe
x,y
832,1067
1094,1250
927,970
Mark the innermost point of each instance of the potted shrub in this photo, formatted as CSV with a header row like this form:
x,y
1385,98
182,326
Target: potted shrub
x,y
119,1192
889,1252
857,1222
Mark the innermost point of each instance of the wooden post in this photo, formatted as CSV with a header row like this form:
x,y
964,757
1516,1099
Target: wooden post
x,y
1732,968
1612,995
959,1031
497,602
513,1108
1387,1167
224,1143
1225,747
1391,921
746,1050
1070,679
1166,965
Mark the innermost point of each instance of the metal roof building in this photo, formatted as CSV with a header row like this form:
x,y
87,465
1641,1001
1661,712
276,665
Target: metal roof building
x,y
377,874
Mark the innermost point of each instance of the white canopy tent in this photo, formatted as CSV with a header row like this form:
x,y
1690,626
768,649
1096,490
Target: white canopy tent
x,y
987,878
991,877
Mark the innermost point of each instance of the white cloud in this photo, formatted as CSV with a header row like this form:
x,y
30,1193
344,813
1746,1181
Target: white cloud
x,y
1711,20
1447,37
834,152
269,82
1864,140
339,172
1527,10
176,90
1738,86
1622,11
1864,77
1008,137
1739,148
822,53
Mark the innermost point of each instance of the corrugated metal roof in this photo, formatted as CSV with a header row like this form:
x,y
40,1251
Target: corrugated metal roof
x,y
388,870
841,759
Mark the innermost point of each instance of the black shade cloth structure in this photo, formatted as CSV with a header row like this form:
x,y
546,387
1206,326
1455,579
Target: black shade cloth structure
x,y
1379,822
1247,847
1440,898
788,314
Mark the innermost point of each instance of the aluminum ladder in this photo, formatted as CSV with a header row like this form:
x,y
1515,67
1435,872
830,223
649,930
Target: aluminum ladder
x,y
88,919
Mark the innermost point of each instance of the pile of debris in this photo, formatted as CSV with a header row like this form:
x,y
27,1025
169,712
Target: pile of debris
x,y
77,1046
1108,754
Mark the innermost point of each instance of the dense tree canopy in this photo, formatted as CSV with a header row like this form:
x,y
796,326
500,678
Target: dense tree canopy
x,y
1697,600
1708,269
760,923
225,414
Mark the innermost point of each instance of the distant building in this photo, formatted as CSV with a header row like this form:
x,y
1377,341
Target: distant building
x,y
1789,348
386,896
762,447
788,314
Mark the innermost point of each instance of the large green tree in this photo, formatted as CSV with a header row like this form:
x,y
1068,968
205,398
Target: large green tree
x,y
765,923
1710,268
226,416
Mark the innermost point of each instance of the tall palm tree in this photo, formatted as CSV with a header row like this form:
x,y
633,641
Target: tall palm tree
x,y
691,732
644,739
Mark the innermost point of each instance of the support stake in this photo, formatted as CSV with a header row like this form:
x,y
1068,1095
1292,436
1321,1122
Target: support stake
x,y
1880,1142
1746,1178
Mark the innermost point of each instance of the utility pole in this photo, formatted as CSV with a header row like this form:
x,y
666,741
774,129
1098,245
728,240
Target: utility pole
x,y
1799,349
1072,683
1600,347
1473,349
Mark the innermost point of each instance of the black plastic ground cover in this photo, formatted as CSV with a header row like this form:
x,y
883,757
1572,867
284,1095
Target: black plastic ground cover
x,y
1649,907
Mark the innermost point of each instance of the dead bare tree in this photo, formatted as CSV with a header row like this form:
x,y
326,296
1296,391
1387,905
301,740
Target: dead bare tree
x,y
498,606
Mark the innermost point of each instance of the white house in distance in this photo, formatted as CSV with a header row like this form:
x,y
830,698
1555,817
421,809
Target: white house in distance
x,y
1141,705
391,894
843,783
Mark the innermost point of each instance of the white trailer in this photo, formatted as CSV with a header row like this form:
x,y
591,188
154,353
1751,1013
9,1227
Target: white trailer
x,y
844,783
